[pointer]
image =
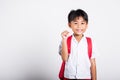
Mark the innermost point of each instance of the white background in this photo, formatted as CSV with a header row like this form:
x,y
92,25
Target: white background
x,y
30,34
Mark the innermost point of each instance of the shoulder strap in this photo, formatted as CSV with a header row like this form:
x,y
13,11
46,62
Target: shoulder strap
x,y
69,43
89,42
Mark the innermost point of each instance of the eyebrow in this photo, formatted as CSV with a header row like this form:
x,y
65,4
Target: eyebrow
x,y
77,21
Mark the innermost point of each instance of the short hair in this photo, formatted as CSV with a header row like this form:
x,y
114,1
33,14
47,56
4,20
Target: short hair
x,y
77,13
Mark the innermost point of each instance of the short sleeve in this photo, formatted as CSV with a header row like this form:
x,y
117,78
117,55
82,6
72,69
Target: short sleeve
x,y
60,48
94,50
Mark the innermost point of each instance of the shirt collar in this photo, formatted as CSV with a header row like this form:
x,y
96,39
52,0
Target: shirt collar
x,y
74,39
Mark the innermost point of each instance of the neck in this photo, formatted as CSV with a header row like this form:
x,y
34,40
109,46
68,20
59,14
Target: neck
x,y
78,37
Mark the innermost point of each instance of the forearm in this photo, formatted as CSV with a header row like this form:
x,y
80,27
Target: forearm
x,y
93,70
64,52
93,73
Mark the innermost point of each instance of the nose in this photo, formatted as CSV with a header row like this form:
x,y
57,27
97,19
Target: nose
x,y
80,26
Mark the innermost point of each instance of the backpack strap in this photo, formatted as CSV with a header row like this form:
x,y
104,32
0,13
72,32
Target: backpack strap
x,y
89,42
69,44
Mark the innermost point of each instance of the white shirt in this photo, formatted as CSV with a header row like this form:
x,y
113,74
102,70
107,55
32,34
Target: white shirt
x,y
78,64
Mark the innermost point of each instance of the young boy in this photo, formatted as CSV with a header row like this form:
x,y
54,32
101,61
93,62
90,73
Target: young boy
x,y
78,66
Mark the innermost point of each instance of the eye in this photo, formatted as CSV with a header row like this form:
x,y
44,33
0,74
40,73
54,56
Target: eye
x,y
82,23
75,23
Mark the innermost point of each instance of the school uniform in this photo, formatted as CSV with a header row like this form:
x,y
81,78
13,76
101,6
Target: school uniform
x,y
78,64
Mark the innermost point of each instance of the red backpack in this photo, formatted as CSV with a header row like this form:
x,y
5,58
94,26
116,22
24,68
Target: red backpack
x,y
89,42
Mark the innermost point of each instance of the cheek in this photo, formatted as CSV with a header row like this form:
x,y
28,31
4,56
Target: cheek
x,y
85,27
73,26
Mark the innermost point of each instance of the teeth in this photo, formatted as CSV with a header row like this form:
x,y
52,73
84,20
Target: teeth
x,y
79,30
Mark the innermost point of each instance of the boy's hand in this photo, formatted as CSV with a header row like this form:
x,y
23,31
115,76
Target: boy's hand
x,y
65,34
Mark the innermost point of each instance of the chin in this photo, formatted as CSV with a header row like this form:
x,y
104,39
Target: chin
x,y
79,34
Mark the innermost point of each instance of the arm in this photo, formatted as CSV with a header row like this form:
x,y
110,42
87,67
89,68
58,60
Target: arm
x,y
64,51
93,69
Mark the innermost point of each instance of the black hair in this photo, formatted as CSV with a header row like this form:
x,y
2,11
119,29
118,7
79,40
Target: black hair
x,y
77,13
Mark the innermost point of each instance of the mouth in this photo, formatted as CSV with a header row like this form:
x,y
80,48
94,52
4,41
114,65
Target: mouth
x,y
79,30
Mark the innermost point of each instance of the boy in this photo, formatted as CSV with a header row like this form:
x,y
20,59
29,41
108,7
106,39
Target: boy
x,y
78,66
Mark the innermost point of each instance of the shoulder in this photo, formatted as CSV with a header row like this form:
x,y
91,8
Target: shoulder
x,y
86,38
70,36
89,38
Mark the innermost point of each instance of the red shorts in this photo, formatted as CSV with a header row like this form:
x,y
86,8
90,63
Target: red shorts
x,y
75,79
78,79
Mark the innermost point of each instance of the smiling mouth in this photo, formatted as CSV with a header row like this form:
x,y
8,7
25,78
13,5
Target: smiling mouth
x,y
79,30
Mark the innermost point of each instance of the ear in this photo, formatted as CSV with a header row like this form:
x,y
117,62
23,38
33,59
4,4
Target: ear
x,y
69,24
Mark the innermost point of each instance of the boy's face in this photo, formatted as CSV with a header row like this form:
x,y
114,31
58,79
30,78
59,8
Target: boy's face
x,y
78,25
